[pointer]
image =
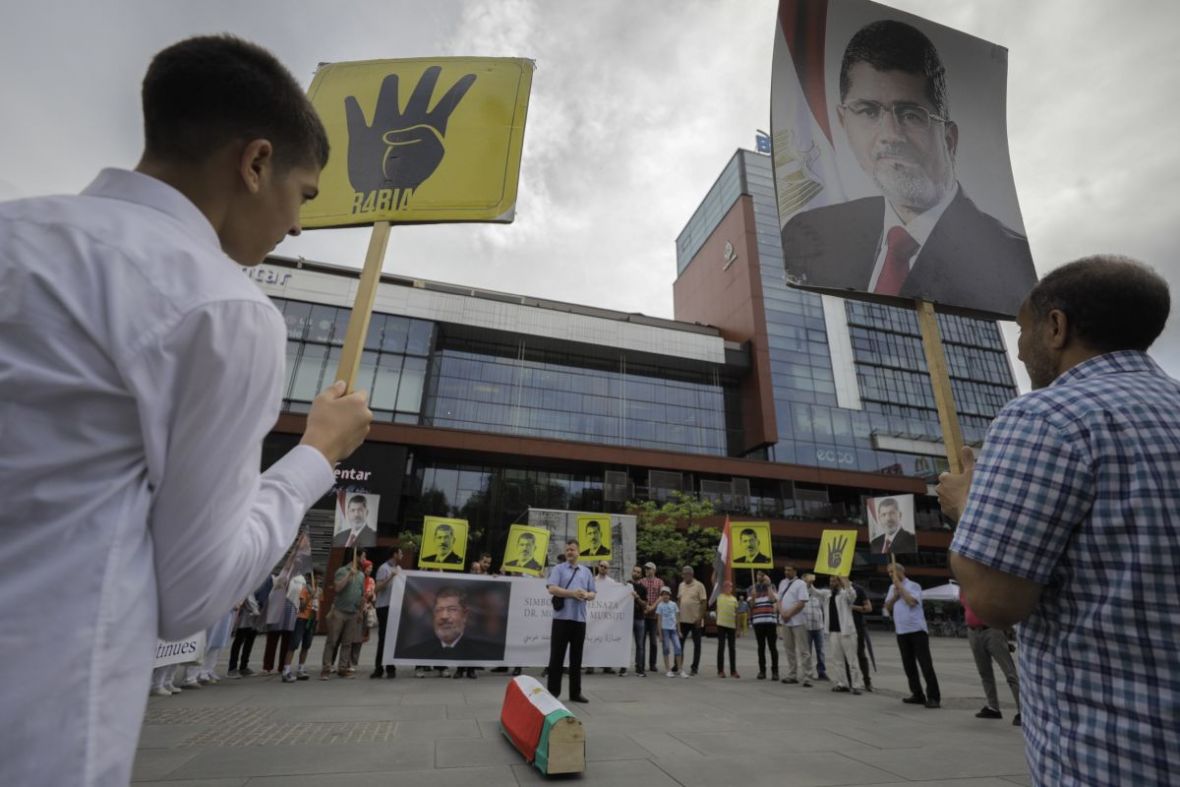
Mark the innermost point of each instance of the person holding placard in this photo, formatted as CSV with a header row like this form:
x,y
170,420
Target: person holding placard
x,y
125,309
842,636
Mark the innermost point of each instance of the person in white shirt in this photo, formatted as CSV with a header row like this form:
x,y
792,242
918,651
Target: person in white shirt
x,y
383,587
842,636
793,596
903,602
139,372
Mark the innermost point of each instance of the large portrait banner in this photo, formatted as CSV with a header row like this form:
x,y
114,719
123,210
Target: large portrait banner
x,y
481,621
890,158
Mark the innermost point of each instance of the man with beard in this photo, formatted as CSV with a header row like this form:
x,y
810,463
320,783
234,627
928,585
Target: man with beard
x,y
450,640
924,237
359,532
894,539
1080,480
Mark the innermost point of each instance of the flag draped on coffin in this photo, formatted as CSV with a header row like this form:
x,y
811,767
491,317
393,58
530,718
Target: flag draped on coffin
x,y
722,561
529,717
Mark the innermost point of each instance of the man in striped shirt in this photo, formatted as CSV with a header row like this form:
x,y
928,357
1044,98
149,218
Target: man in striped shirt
x,y
1081,479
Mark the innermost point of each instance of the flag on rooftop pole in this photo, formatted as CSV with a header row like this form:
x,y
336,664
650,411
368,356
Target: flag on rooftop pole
x,y
722,561
762,141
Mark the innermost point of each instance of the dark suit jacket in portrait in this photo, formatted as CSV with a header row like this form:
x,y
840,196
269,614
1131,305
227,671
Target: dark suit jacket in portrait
x,y
758,560
468,649
366,537
531,565
904,543
603,549
970,261
451,558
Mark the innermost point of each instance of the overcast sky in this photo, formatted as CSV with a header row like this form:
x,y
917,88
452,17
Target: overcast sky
x,y
636,107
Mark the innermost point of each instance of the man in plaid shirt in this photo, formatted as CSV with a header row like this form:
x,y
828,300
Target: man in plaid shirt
x,y
1072,525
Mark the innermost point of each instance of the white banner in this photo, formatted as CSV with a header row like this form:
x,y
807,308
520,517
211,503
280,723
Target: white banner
x,y
480,621
182,651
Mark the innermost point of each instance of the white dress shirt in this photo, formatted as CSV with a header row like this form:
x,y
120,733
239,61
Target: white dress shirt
x,y
919,229
139,372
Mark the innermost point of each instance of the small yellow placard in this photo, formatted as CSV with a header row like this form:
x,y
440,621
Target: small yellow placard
x,y
444,544
526,550
420,140
836,549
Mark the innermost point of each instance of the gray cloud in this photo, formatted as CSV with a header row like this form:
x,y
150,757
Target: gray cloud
x,y
636,107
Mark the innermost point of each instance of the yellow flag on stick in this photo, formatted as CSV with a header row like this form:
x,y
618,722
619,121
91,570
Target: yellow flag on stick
x,y
835,552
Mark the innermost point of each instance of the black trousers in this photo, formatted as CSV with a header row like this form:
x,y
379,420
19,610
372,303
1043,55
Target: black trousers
x,y
651,629
382,624
685,630
861,658
243,644
725,636
566,635
915,654
767,634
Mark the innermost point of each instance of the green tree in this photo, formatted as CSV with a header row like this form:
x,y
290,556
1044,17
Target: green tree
x,y
668,535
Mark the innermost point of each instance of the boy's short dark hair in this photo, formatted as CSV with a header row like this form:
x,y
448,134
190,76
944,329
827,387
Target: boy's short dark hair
x,y
206,91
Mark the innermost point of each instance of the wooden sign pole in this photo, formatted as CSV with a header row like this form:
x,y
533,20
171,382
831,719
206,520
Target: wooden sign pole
x,y
948,417
362,308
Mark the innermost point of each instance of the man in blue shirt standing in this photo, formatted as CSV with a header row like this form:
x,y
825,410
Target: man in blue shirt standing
x,y
571,586
904,603
1081,479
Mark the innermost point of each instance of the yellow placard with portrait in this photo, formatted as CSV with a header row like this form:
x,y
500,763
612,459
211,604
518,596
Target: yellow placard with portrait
x,y
594,537
836,549
444,544
751,545
525,551
420,140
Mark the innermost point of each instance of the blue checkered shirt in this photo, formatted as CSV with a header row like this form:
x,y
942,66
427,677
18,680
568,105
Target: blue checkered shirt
x,y
1078,489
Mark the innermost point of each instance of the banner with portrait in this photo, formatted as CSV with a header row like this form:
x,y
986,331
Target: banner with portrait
x,y
836,551
751,545
594,538
473,620
420,140
190,650
356,519
525,550
444,544
891,525
890,157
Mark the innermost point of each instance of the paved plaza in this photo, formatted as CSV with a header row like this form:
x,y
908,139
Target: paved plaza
x,y
652,732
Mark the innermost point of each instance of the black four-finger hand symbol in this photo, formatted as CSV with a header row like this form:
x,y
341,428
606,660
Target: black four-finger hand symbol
x,y
836,551
400,149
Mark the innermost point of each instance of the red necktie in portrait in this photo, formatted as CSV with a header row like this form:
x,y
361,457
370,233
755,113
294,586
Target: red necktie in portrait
x,y
899,247
885,547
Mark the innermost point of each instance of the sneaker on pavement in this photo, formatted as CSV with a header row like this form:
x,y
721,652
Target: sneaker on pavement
x,y
1016,720
419,672
233,673
840,689
988,712
789,680
245,672
734,675
721,674
325,674
684,674
288,677
516,671
669,674
914,699
806,684
377,673
159,691
857,692
445,673
933,704
641,674
172,688
301,675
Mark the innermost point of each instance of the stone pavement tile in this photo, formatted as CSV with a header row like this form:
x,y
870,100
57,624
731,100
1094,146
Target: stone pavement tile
x,y
664,745
989,781
295,760
605,773
1023,779
939,760
338,712
334,692
194,783
200,698
762,770
735,743
480,712
438,729
501,776
168,736
614,747
463,753
158,763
